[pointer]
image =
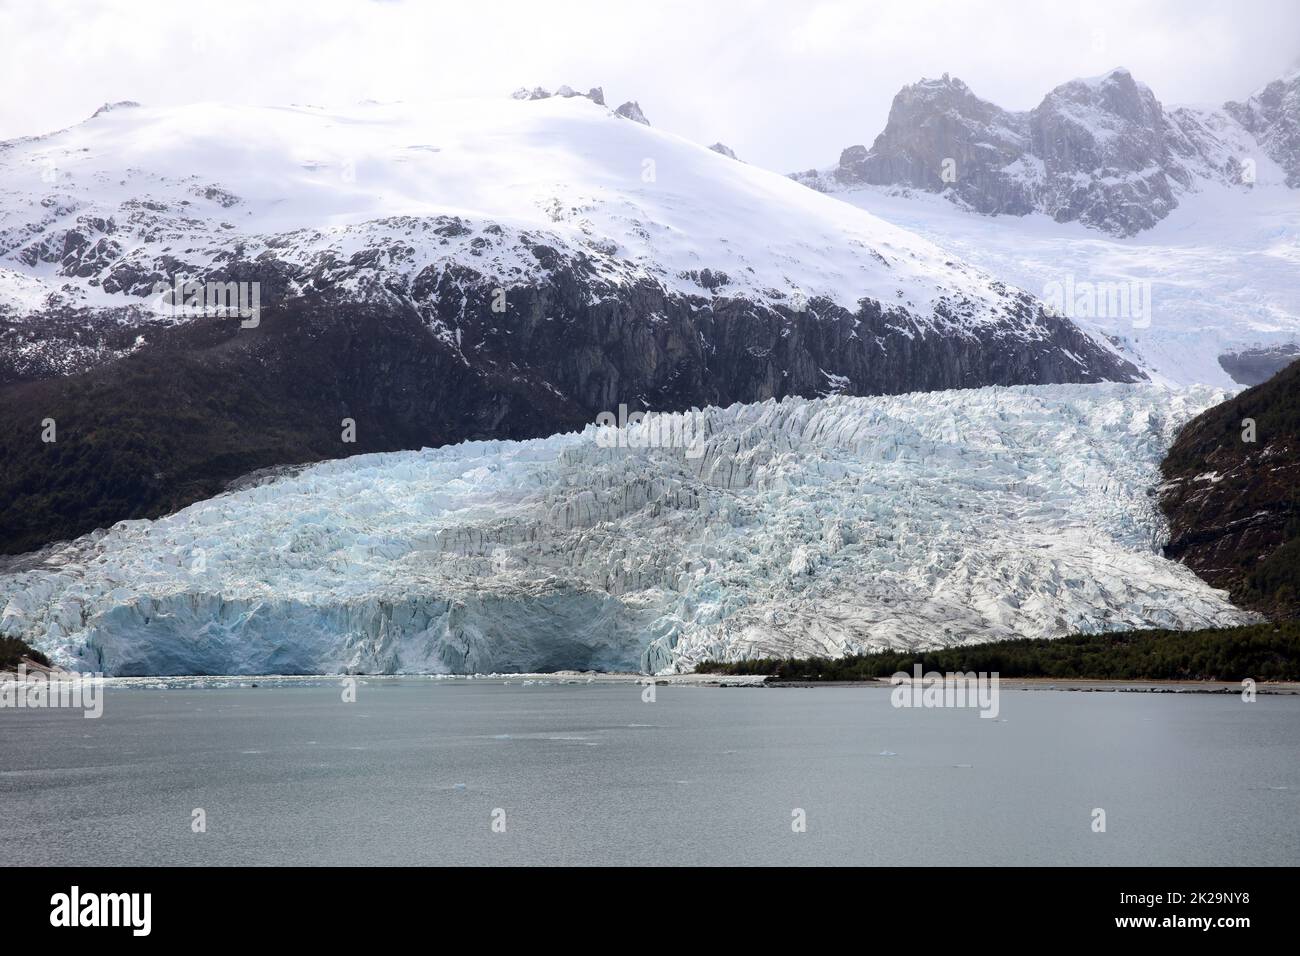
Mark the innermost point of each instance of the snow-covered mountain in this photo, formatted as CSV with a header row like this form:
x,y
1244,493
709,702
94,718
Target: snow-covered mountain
x,y
796,527
1100,151
413,206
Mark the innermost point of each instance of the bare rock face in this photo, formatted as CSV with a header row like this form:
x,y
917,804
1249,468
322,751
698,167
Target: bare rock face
x,y
725,150
1273,116
632,110
1105,156
1101,151
942,136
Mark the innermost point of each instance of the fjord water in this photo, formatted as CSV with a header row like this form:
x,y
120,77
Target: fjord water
x,y
589,773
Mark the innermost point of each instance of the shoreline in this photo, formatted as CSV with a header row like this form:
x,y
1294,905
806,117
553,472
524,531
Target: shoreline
x,y
252,681
1082,685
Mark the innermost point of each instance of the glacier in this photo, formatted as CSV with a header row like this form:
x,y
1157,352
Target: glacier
x,y
824,526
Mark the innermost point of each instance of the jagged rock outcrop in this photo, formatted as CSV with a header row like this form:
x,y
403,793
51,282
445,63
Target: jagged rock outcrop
x,y
1111,134
725,150
119,105
632,110
940,135
595,94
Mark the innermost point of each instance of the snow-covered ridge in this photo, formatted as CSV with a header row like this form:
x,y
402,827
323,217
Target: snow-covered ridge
x,y
365,196
802,527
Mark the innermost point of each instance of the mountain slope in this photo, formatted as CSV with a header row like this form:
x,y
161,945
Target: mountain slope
x,y
1234,504
794,528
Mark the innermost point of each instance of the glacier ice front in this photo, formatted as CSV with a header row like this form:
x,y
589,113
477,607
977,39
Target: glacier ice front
x,y
805,527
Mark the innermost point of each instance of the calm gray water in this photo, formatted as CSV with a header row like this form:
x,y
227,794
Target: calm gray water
x,y
411,773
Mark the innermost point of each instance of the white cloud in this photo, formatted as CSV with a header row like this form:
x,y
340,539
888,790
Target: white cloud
x,y
786,83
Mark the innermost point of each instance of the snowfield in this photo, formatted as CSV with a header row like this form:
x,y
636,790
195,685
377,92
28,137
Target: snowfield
x,y
801,527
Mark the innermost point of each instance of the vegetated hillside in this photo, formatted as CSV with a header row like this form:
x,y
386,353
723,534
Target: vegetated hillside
x,y
1234,505
1261,652
13,651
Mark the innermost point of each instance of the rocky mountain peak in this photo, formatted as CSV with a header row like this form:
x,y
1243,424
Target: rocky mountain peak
x,y
928,101
1113,94
941,136
1106,162
946,87
632,110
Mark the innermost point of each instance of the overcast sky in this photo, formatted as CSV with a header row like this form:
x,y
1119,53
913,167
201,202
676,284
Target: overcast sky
x,y
786,83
